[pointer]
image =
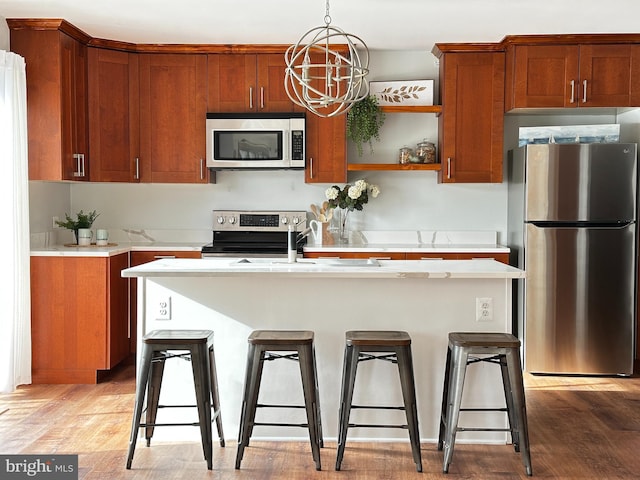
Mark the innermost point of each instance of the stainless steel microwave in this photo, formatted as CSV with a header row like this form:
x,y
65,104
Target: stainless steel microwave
x,y
255,140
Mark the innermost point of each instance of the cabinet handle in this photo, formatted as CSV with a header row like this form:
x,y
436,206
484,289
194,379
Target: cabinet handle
x,y
431,258
251,98
136,176
584,91
78,171
379,258
448,167
261,97
201,169
159,257
310,167
573,91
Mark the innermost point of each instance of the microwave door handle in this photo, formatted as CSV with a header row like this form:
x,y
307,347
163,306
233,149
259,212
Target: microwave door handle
x,y
285,145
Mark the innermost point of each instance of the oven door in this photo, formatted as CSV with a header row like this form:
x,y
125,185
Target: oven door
x,y
249,244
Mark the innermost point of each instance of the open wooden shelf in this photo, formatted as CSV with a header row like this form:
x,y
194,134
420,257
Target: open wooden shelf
x,y
406,109
355,167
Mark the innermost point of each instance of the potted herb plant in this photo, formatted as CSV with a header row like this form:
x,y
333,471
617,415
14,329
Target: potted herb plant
x,y
364,121
83,220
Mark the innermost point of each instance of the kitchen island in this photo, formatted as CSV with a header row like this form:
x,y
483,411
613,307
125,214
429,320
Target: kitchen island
x,y
427,298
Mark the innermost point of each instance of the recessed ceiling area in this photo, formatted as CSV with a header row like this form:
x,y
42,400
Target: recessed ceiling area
x,y
382,24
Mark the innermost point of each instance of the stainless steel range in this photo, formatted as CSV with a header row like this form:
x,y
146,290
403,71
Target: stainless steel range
x,y
245,233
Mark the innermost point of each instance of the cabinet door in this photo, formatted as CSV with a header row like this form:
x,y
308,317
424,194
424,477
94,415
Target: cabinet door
x,y
271,96
118,305
544,76
113,115
56,107
68,319
471,125
75,140
326,149
605,75
172,118
231,82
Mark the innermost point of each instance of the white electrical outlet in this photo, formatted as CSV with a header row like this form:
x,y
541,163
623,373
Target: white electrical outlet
x,y
164,309
484,309
54,219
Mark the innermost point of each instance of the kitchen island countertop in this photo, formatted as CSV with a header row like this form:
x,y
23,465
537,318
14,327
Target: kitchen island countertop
x,y
346,268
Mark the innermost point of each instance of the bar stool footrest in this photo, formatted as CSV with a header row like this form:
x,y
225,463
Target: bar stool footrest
x,y
274,424
377,425
272,405
378,407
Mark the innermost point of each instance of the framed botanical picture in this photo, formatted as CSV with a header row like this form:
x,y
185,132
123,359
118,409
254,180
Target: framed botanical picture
x,y
403,93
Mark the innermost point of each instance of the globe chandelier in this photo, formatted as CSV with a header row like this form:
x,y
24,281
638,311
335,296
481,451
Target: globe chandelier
x,y
326,81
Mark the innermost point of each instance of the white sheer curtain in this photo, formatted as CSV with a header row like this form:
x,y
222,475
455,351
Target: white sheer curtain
x,y
15,313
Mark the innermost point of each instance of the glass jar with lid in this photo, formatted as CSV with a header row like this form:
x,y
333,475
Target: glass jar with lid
x,y
426,152
405,156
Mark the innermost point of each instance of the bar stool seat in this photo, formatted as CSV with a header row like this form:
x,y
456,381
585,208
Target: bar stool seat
x,y
297,345
390,346
498,348
159,346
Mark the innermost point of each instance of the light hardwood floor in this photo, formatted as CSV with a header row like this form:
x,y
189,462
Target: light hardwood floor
x,y
580,428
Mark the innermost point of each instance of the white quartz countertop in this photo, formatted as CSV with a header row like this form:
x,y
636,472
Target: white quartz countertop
x,y
406,248
345,268
362,241
113,249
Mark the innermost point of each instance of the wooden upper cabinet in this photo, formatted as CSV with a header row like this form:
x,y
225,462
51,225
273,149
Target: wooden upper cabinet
x,y
326,149
173,107
571,76
56,102
470,128
113,115
247,83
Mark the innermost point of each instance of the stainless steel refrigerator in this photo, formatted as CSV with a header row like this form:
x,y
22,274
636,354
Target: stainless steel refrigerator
x,y
572,227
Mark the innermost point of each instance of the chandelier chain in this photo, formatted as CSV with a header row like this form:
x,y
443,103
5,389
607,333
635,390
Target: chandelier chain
x,y
327,17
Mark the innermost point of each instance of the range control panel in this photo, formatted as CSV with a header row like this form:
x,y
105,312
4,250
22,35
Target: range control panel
x,y
258,221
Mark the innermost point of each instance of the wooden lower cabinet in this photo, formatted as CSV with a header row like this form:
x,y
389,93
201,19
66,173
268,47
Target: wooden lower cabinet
x,y
500,257
79,317
138,258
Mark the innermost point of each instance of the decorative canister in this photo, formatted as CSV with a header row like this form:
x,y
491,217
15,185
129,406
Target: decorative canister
x,y
426,152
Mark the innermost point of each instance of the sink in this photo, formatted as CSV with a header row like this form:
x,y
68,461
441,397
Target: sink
x,y
353,262
320,263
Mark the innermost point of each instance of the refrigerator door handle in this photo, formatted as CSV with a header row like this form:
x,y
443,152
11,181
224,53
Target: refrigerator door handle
x,y
612,225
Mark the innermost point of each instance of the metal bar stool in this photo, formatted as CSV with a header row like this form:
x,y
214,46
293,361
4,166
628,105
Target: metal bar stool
x,y
298,346
157,347
499,348
394,347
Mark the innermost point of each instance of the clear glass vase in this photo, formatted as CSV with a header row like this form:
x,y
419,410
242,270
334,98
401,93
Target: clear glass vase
x,y
340,225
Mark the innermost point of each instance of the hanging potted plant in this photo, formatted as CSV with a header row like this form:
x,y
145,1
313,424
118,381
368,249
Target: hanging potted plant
x,y
364,121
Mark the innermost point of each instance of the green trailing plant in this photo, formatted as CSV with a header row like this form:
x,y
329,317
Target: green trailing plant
x,y
364,121
83,220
